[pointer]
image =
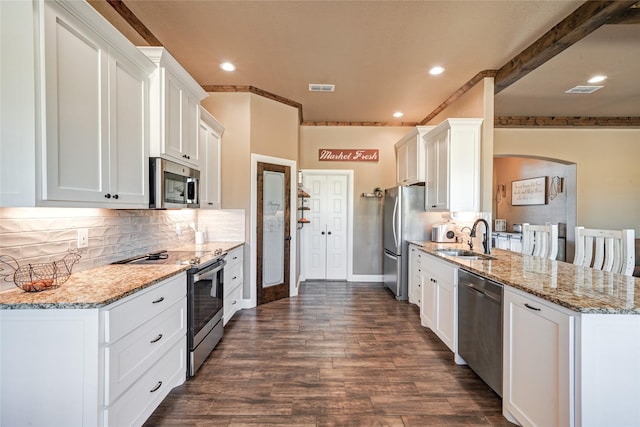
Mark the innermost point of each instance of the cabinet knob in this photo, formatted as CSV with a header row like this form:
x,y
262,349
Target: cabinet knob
x,y
322,233
329,233
210,203
107,196
156,388
115,196
434,206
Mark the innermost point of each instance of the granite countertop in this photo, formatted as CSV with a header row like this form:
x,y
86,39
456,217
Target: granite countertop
x,y
585,290
101,286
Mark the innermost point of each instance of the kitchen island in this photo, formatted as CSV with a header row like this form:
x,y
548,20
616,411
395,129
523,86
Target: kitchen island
x,y
571,339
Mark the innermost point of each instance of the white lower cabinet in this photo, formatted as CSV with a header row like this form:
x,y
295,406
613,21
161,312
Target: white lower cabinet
x,y
93,367
538,355
439,310
233,282
415,274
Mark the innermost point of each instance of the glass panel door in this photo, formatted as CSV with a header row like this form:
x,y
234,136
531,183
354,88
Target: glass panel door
x,y
273,230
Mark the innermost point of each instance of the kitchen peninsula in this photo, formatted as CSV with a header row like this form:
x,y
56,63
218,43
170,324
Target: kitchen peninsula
x,y
571,339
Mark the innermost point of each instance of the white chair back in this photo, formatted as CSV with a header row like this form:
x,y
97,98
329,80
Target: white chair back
x,y
540,240
607,250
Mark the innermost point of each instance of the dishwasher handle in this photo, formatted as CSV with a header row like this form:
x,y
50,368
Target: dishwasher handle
x,y
489,295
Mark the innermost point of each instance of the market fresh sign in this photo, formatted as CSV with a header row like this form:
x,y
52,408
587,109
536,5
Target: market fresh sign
x,y
339,155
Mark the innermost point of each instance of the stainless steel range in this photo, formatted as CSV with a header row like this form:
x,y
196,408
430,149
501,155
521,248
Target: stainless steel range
x,y
204,298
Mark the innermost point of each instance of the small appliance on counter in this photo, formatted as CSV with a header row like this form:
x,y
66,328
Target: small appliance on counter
x,y
500,225
443,233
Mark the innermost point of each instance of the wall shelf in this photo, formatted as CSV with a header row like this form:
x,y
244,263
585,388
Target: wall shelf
x,y
302,195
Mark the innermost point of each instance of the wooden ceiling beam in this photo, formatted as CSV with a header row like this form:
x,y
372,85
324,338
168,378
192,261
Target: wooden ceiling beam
x,y
556,121
631,16
134,22
582,22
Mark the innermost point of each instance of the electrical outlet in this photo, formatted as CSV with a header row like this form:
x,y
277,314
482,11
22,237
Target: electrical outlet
x,y
83,238
178,229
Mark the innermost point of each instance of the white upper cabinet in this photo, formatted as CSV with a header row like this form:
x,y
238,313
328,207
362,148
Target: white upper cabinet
x,y
175,110
453,166
91,93
410,167
210,149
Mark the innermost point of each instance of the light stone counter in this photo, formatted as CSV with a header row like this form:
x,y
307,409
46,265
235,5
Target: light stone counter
x,y
101,286
580,289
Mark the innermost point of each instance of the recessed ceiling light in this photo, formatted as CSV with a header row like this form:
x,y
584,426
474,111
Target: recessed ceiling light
x,y
228,66
398,114
436,70
597,79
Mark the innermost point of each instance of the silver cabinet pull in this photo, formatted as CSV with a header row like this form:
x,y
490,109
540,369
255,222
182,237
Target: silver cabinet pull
x,y
158,300
153,390
158,338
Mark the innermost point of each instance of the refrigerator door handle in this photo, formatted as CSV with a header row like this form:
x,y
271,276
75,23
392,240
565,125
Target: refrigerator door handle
x,y
388,255
395,223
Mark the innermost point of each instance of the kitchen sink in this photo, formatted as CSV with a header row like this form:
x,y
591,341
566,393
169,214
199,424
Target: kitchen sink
x,y
464,254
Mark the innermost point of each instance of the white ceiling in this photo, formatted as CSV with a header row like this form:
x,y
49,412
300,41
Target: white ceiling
x,y
377,53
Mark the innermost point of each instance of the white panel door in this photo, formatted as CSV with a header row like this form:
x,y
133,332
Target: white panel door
x,y
325,237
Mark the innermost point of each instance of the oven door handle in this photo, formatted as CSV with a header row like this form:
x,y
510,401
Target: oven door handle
x,y
213,268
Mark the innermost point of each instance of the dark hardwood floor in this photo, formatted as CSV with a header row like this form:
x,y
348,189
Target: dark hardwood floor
x,y
339,354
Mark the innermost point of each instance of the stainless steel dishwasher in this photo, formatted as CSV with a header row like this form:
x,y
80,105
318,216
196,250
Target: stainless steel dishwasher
x,y
480,327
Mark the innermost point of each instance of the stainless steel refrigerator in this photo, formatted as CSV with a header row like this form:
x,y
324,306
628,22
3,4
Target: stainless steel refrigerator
x,y
404,219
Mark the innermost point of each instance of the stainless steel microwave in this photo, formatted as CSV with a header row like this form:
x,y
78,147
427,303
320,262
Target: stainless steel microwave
x,y
173,185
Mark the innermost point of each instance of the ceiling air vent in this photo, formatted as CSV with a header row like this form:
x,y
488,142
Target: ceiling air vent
x,y
584,89
314,87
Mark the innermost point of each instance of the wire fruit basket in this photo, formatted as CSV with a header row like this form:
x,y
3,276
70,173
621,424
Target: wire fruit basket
x,y
38,277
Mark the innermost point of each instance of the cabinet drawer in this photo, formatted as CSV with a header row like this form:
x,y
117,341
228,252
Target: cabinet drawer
x,y
232,303
139,401
439,269
232,278
130,313
234,257
137,351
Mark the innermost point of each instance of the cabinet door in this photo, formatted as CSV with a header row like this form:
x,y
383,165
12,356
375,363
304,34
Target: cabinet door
x,y
76,141
129,124
515,245
210,188
190,126
437,173
428,306
538,362
402,164
172,138
445,312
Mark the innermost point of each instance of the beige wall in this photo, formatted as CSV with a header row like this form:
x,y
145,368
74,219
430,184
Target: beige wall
x,y
274,128
608,176
233,111
367,233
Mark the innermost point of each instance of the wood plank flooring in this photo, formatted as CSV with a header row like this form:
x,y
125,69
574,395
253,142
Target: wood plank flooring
x,y
339,354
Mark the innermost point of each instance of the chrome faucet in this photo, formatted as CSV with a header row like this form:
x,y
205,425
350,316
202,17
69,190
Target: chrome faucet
x,y
485,238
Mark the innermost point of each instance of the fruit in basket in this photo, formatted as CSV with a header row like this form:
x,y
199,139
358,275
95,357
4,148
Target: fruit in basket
x,y
38,277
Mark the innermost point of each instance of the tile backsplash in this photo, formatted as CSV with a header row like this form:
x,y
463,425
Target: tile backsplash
x,y
37,235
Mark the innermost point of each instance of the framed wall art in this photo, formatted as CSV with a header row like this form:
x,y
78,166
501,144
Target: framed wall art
x,y
532,191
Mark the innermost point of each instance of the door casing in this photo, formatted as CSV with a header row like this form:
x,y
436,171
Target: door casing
x,y
253,253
